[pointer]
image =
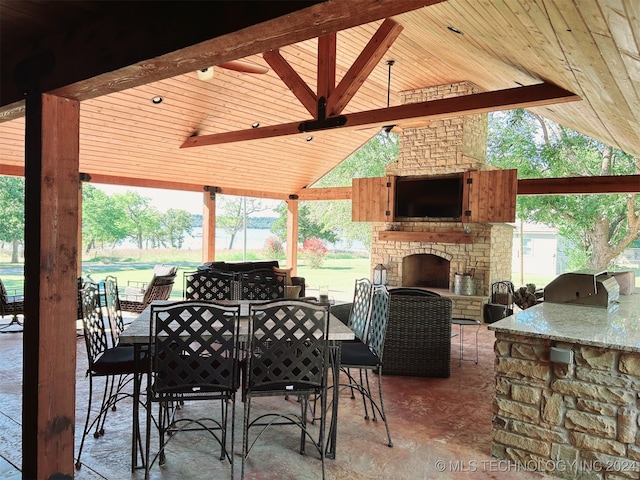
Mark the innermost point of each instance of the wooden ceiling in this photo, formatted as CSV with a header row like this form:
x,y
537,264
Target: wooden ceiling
x,y
590,48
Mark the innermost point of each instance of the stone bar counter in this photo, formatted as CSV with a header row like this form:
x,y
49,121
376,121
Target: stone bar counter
x,y
570,420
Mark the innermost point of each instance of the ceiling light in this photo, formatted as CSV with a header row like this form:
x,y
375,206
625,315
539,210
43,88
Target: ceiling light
x,y
205,73
157,100
454,30
255,124
309,138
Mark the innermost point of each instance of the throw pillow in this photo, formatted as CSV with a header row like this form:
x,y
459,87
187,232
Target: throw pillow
x,y
286,272
162,270
292,291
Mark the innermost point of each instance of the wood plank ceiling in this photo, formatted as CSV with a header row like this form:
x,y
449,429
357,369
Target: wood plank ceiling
x,y
588,47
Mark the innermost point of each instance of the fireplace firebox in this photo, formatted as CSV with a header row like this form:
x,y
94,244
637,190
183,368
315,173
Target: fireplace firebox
x,y
425,270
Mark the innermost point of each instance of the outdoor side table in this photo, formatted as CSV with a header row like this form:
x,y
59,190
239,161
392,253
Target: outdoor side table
x,y
462,322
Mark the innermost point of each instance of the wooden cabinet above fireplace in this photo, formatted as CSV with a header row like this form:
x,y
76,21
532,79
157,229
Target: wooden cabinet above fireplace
x,y
476,197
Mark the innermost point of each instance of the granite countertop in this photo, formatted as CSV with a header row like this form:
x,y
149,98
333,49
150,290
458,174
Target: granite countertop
x,y
618,327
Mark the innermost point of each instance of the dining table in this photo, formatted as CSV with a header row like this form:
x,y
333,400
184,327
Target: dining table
x,y
138,334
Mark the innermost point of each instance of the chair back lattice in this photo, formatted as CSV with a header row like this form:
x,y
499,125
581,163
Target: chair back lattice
x,y
261,284
195,350
95,335
208,285
378,320
287,347
112,304
359,315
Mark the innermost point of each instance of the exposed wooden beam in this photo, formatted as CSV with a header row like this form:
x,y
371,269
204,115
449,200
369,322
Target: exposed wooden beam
x,y
579,185
144,182
188,42
326,74
252,193
363,66
520,97
328,193
291,79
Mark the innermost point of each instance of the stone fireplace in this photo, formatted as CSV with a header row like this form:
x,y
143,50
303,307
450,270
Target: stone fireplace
x,y
445,146
425,270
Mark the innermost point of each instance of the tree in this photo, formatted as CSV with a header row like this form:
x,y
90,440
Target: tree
x,y
599,226
307,228
103,220
140,223
368,161
234,211
175,225
12,208
331,220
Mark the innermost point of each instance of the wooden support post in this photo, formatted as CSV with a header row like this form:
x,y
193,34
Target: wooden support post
x,y
79,262
51,253
209,225
292,234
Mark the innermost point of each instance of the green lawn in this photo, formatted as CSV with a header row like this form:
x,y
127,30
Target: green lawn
x,y
339,272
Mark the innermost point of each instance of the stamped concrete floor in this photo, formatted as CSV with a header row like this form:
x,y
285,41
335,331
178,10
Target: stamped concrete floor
x,y
441,428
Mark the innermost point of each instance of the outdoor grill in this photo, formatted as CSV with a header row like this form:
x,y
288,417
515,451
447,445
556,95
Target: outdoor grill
x,y
584,287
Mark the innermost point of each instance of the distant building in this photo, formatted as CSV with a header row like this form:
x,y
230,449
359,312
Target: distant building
x,y
536,250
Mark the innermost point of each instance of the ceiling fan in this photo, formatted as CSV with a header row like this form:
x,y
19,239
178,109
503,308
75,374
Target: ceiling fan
x,y
235,65
399,127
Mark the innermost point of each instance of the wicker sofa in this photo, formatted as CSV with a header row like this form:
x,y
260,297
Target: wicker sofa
x,y
243,267
418,340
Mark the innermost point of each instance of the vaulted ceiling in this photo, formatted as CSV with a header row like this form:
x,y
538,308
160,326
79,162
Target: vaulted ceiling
x,y
588,48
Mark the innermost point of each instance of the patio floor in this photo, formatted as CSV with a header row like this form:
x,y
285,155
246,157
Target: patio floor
x,y
441,428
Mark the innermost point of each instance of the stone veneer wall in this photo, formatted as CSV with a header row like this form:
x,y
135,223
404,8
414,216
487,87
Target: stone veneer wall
x,y
572,421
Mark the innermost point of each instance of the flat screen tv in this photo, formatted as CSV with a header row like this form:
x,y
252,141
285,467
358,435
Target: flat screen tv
x,y
433,198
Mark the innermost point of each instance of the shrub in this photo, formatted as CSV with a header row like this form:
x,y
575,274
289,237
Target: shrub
x,y
314,251
273,248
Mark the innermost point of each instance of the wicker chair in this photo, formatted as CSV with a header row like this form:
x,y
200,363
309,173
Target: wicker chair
x,y
418,341
11,305
159,289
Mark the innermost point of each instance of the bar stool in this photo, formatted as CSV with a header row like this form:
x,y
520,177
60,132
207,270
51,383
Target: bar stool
x,y
462,322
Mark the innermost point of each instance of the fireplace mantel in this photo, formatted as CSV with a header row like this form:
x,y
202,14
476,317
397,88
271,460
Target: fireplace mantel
x,y
429,237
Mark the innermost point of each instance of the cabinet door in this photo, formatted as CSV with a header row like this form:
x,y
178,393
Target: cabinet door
x,y
490,196
372,199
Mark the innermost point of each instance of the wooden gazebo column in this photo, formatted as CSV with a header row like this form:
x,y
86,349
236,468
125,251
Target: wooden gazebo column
x,y
209,224
292,234
51,255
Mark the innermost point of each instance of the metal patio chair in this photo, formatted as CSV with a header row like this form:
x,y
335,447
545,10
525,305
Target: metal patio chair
x,y
366,356
194,357
287,355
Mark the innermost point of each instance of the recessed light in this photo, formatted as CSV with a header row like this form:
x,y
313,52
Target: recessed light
x,y
157,100
255,124
309,138
454,30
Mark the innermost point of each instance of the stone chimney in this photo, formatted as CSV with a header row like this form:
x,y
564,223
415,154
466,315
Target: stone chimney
x,y
445,146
